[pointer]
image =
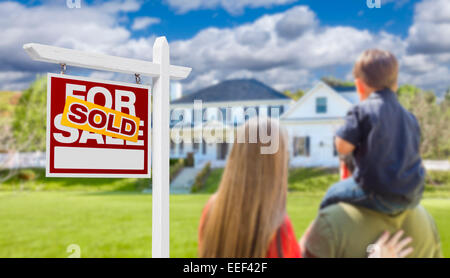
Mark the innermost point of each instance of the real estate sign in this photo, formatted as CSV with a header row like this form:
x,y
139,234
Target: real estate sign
x,y
97,128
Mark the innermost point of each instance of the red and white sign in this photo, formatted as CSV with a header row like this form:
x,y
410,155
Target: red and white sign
x,y
77,150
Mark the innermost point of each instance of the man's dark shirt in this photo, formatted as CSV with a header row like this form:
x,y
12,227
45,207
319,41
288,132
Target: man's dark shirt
x,y
387,140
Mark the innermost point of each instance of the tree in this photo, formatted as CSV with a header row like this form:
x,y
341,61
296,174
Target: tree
x,y
295,96
336,82
24,128
447,96
433,119
30,117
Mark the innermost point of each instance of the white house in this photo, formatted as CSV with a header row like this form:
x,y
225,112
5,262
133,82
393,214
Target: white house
x,y
311,122
227,104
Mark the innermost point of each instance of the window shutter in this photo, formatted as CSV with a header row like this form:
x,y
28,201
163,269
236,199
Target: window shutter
x,y
307,144
224,111
334,146
295,146
204,116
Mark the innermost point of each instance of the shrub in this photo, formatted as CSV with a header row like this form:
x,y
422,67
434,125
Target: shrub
x,y
175,167
200,179
27,175
438,178
189,162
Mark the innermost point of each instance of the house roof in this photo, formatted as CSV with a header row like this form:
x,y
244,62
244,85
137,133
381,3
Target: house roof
x,y
346,94
344,89
233,90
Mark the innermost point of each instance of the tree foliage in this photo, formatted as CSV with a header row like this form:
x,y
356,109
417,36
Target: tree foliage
x,y
28,125
433,117
296,95
30,117
336,82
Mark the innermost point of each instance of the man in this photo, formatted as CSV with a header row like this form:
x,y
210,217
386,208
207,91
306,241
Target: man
x,y
347,231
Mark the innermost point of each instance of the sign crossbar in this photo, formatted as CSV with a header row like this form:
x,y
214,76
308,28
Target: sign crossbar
x,y
97,61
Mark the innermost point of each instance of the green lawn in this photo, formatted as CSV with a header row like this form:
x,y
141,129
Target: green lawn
x,y
41,218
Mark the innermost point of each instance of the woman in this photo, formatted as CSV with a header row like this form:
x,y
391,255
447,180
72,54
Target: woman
x,y
247,216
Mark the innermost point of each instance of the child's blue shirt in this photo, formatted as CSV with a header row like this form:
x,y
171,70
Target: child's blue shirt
x,y
387,140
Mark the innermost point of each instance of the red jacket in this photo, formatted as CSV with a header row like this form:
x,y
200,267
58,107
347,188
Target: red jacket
x,y
283,245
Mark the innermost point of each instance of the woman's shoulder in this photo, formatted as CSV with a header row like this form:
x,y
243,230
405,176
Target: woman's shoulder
x,y
209,202
284,242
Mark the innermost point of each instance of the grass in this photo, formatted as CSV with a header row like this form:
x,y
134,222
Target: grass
x,y
111,218
35,180
316,181
212,181
44,224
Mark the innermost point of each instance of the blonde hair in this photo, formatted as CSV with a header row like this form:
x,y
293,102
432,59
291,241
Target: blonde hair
x,y
250,204
377,68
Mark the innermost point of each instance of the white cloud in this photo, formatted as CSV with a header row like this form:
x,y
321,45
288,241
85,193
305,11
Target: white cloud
x,y
231,6
295,22
91,28
283,58
15,80
144,22
430,32
427,58
277,49
288,60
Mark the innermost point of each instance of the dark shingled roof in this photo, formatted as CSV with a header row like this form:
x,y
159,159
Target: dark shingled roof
x,y
344,89
233,90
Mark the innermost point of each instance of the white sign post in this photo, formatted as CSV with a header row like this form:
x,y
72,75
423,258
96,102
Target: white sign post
x,y
161,71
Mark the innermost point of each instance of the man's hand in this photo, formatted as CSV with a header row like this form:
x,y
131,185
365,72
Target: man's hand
x,y
390,248
343,147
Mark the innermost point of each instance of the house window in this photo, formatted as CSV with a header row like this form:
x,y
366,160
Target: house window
x,y
172,147
203,147
229,115
249,112
204,115
196,145
177,115
301,146
181,149
321,105
221,114
277,113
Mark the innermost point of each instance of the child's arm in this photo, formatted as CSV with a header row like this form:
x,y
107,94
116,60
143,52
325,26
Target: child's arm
x,y
352,132
343,147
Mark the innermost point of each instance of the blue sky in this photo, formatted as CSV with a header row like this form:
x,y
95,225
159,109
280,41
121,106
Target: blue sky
x,y
288,44
175,25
